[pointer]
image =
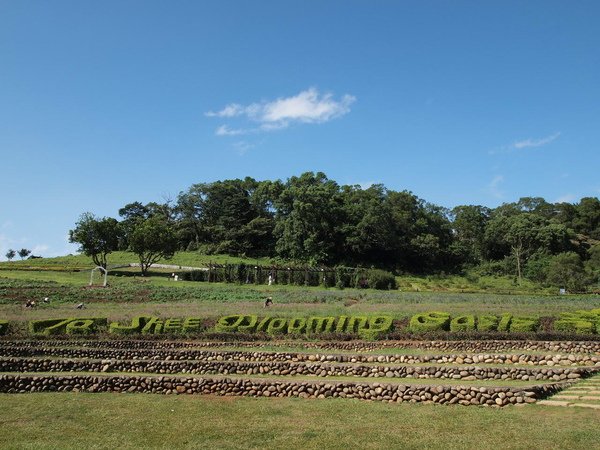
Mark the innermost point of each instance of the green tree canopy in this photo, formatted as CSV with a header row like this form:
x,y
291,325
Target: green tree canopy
x,y
96,237
152,239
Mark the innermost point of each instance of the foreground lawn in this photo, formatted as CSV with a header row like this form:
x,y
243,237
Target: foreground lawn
x,y
76,420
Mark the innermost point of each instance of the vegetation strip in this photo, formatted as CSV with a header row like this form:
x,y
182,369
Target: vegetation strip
x,y
463,395
366,327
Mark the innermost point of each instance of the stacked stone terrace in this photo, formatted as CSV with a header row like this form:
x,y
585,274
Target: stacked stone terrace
x,y
489,373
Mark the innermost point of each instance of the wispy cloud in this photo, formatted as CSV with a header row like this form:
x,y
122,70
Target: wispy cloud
x,y
308,106
494,186
225,130
527,143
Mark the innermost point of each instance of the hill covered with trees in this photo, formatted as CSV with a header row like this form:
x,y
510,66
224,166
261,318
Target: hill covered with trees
x,y
314,220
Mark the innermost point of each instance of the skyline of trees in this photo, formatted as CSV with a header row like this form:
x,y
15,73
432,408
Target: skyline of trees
x,y
314,220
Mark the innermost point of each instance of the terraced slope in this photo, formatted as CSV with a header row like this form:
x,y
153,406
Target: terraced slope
x,y
400,372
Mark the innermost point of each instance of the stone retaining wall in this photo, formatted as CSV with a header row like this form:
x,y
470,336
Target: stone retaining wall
x,y
466,373
233,355
462,395
588,347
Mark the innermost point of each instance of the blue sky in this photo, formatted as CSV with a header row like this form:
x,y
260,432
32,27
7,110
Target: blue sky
x,y
105,103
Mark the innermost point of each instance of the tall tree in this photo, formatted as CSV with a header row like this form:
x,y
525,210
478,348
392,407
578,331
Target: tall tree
x,y
10,254
308,220
152,239
96,237
24,253
469,230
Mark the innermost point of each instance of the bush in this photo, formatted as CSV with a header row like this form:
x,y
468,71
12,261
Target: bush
x,y
137,323
463,323
574,326
236,322
505,320
524,324
153,326
378,326
3,327
582,322
84,326
487,323
317,324
566,270
296,325
377,279
277,326
432,321
59,326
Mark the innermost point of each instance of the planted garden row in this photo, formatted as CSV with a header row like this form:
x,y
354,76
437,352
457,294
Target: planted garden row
x,y
366,327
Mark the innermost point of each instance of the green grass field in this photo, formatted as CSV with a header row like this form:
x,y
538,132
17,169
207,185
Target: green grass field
x,y
103,421
84,420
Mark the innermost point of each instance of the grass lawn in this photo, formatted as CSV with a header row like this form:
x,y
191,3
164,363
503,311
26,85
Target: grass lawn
x,y
76,420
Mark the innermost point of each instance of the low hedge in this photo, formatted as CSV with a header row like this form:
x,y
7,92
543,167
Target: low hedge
x,y
463,323
431,321
155,325
583,322
74,325
365,326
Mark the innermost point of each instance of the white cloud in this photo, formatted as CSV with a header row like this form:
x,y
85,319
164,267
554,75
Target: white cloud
x,y
224,130
525,143
567,198
308,106
494,186
229,111
536,142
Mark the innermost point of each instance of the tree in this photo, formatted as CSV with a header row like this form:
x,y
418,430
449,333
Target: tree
x,y
152,239
10,254
24,253
566,270
469,230
523,234
309,219
96,237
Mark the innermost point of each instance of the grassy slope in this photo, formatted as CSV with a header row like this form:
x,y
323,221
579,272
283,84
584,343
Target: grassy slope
x,y
151,421
450,283
128,297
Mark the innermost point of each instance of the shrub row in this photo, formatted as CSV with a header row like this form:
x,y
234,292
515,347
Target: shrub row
x,y
441,321
341,277
366,327
81,326
583,322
